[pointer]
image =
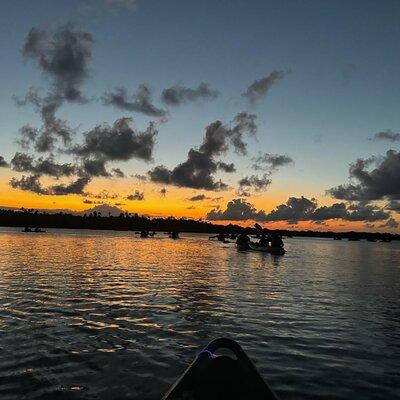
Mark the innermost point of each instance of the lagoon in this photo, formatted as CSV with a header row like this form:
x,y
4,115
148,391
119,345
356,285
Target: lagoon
x,y
107,315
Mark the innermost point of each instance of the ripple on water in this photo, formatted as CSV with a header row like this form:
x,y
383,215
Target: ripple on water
x,y
104,315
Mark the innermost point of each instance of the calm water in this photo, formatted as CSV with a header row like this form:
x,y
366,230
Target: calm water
x,y
104,315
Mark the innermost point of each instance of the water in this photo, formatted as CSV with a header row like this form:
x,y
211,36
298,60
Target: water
x,y
104,315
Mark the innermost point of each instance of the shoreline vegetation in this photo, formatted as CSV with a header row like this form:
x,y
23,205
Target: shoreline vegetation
x,y
134,222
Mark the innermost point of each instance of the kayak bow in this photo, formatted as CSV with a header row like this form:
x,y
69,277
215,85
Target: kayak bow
x,y
211,376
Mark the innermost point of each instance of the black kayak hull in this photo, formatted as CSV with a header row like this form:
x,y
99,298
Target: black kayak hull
x,y
212,377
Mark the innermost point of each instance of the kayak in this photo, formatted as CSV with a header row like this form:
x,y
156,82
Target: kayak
x,y
259,248
276,251
212,377
242,246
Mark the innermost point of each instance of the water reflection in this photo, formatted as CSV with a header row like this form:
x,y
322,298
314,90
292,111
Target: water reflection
x,y
104,315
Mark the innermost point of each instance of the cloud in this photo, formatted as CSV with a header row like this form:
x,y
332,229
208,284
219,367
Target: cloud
x,y
29,183
198,197
3,163
236,210
269,161
255,182
259,88
243,192
394,205
75,187
103,195
95,167
139,177
136,196
372,184
23,162
119,142
228,168
53,130
118,173
390,223
178,94
200,167
386,135
63,56
140,102
299,209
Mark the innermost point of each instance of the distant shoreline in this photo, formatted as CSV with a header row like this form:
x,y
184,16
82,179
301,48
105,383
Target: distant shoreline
x,y
134,222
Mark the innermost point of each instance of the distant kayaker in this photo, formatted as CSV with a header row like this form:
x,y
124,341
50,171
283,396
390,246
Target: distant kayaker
x,y
276,241
221,237
243,241
263,242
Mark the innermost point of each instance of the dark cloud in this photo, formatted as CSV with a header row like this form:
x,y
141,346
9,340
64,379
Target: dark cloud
x,y
136,196
53,130
378,183
237,210
394,205
269,161
200,167
64,56
197,172
28,135
3,163
139,177
299,209
390,223
140,102
198,197
23,162
228,168
119,142
118,173
178,94
94,167
387,135
255,182
29,183
260,87
104,195
243,192
75,187
364,211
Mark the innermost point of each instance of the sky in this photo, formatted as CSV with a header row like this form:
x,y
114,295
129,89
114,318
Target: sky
x,y
280,112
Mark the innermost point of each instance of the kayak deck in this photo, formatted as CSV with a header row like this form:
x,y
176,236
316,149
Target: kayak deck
x,y
212,377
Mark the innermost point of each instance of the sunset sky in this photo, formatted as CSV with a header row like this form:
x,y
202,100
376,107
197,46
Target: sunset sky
x,y
281,112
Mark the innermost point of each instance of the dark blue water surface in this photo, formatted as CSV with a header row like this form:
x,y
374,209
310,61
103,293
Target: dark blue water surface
x,y
105,315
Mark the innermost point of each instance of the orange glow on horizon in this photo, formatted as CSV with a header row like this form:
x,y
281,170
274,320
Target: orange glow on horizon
x,y
175,203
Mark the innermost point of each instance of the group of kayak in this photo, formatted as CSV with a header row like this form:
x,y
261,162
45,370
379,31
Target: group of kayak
x,y
36,230
146,234
267,243
271,243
